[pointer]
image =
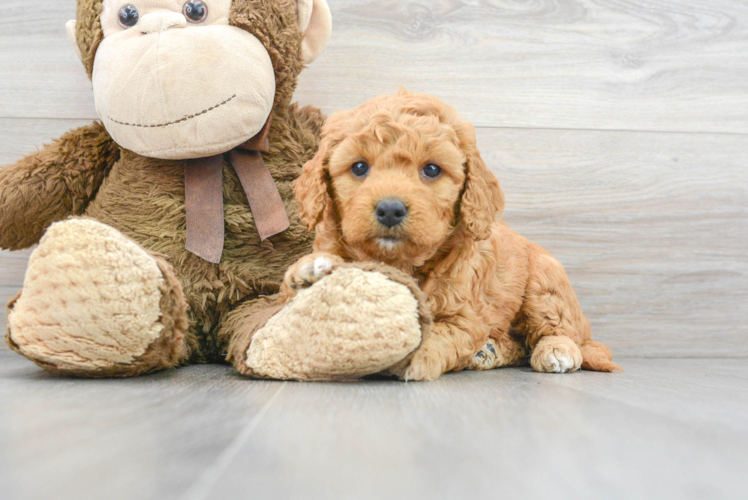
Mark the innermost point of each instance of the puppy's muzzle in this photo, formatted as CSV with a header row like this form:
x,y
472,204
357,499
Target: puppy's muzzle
x,y
391,212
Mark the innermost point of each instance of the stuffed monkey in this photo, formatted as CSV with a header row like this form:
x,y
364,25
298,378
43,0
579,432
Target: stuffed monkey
x,y
167,228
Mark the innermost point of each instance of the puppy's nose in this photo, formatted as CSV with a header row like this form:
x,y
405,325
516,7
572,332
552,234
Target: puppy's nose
x,y
391,212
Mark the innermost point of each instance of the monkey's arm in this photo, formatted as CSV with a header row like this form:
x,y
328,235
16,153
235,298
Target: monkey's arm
x,y
52,184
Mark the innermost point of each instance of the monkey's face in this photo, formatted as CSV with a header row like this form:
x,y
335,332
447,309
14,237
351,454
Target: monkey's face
x,y
173,79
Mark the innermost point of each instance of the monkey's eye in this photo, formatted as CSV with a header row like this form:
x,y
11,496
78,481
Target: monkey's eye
x,y
432,171
195,11
360,169
128,16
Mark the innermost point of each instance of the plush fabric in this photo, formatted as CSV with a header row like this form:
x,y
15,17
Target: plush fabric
x,y
354,323
52,184
91,300
113,292
316,31
141,201
274,23
337,344
140,93
158,95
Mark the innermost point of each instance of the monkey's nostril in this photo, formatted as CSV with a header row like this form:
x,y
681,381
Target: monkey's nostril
x,y
390,212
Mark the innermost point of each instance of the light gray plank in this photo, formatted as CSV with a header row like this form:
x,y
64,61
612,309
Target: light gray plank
x,y
610,64
12,270
662,429
508,433
145,438
20,137
701,393
584,435
40,75
652,229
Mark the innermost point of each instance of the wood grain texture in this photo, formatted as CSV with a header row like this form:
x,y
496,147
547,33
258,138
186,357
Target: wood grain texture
x,y
603,64
606,64
651,227
20,137
661,429
508,434
141,438
40,75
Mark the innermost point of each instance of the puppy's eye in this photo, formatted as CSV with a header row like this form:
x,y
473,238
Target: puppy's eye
x,y
195,11
128,16
360,169
432,171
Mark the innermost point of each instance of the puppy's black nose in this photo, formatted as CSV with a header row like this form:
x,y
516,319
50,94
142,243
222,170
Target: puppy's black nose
x,y
391,212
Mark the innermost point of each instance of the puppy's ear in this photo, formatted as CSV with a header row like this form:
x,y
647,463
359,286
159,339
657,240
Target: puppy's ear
x,y
310,190
483,200
311,187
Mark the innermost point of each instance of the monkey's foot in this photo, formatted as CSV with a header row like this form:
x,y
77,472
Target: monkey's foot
x,y
359,320
556,354
96,304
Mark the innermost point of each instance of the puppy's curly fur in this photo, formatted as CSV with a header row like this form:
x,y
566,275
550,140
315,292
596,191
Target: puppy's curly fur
x,y
496,297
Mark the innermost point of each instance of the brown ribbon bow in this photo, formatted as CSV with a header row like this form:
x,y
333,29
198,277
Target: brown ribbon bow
x,y
203,186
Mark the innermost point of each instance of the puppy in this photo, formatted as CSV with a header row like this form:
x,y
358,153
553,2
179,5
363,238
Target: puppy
x,y
400,180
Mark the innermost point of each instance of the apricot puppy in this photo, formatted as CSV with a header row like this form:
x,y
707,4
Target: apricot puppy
x,y
400,180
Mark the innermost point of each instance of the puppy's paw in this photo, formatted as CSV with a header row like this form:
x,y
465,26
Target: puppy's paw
x,y
556,354
423,367
486,358
308,270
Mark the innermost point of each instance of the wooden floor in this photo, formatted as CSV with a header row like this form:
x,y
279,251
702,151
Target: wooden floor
x,y
617,128
663,429
619,131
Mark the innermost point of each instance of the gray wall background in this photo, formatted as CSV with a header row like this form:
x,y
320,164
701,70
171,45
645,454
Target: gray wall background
x,y
618,128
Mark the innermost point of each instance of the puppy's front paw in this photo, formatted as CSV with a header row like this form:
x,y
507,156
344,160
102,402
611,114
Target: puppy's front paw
x,y
423,367
309,270
556,354
487,357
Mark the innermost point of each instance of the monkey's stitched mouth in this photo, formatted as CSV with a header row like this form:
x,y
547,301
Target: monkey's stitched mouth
x,y
189,117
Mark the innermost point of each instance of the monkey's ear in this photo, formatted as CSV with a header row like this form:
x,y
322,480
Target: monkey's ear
x,y
315,22
70,29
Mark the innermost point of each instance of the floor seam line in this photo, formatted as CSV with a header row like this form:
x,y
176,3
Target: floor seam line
x,y
478,126
201,488
623,131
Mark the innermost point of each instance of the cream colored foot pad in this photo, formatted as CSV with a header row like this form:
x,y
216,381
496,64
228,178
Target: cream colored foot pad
x,y
350,324
90,298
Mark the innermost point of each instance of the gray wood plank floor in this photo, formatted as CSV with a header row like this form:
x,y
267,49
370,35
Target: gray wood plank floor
x,y
618,129
577,103
662,429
